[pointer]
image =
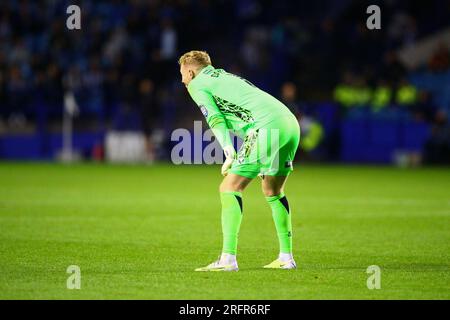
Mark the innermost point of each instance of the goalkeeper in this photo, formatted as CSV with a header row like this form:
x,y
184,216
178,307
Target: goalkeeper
x,y
270,134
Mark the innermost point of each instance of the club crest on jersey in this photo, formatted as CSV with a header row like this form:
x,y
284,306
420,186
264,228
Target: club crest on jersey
x,y
204,110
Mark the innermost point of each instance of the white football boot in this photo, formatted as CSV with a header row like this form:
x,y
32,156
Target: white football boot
x,y
224,263
284,261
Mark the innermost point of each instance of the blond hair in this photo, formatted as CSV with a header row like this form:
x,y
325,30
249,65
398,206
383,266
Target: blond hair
x,y
197,58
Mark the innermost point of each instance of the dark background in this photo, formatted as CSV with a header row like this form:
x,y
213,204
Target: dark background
x,y
357,101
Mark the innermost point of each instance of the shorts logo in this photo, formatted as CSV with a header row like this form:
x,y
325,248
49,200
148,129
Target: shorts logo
x,y
288,164
204,110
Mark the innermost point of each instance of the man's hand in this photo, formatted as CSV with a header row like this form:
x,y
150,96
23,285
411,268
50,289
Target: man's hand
x,y
230,155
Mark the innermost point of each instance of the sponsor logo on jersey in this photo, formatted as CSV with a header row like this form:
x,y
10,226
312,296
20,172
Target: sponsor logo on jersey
x,y
204,110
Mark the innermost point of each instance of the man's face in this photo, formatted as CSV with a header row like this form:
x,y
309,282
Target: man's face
x,y
187,74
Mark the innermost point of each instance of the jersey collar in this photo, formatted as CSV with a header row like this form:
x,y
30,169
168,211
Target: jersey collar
x,y
200,73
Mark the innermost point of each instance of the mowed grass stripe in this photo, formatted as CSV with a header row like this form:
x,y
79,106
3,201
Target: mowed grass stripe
x,y
138,232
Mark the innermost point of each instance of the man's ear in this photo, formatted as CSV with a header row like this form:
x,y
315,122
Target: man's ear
x,y
192,73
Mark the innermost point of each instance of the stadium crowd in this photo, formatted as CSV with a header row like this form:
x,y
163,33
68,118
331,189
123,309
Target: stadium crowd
x,y
122,64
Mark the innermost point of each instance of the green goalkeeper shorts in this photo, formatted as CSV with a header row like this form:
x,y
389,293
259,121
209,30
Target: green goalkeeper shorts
x,y
269,150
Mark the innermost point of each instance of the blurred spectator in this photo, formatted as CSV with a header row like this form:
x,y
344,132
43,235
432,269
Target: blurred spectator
x,y
440,60
382,96
123,62
392,69
402,29
406,94
312,134
353,91
437,149
149,113
289,98
168,40
424,108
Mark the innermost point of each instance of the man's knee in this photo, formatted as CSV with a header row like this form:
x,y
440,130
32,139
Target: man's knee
x,y
232,185
273,186
270,191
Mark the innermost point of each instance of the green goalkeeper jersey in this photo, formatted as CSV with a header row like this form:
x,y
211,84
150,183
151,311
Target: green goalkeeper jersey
x,y
231,103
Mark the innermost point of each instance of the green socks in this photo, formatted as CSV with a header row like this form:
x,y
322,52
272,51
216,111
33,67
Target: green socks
x,y
231,220
232,217
282,219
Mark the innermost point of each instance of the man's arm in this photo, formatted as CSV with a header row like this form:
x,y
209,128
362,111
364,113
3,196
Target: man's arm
x,y
213,115
216,122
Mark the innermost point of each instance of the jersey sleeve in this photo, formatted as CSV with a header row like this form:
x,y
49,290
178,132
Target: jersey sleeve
x,y
213,115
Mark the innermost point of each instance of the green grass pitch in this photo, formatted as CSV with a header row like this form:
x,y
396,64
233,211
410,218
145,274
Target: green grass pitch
x,y
138,232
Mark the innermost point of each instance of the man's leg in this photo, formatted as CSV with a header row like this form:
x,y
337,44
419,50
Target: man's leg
x,y
231,190
273,189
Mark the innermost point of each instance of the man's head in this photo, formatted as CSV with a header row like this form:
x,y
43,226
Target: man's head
x,y
191,63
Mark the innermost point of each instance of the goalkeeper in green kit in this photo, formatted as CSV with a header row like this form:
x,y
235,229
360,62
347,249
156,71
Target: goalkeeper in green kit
x,y
270,134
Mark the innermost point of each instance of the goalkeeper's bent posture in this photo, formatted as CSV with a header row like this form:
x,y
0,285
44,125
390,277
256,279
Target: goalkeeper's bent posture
x,y
271,135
